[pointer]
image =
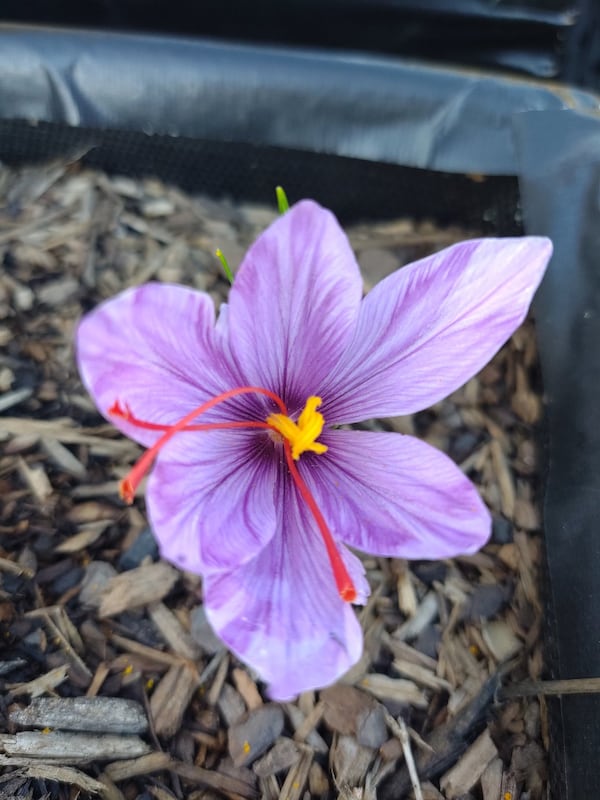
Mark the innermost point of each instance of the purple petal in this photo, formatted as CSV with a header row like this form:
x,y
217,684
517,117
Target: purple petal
x,y
281,612
210,499
425,330
154,348
294,303
393,495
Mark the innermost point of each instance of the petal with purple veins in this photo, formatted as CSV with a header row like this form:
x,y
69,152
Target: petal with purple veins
x,y
281,613
293,304
393,495
425,330
210,498
154,349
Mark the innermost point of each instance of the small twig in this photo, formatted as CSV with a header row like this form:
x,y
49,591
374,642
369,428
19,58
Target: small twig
x,y
399,730
532,688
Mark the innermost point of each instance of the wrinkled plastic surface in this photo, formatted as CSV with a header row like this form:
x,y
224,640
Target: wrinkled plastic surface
x,y
371,108
523,35
560,189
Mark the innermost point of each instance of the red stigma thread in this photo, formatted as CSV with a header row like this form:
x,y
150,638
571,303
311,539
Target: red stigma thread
x,y
343,581
131,481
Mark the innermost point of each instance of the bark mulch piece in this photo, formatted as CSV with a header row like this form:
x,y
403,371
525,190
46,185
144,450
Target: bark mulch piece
x,y
111,682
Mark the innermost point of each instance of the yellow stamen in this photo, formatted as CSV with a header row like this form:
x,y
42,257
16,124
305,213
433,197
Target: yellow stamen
x,y
302,434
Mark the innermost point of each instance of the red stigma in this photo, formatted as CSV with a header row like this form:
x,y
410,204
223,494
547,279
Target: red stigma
x,y
343,581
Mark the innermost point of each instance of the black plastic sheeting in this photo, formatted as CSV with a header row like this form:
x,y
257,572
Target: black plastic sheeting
x,y
560,183
261,109
370,108
527,36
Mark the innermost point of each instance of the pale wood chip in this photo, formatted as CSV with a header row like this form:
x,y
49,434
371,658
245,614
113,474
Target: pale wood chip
x,y
465,694
13,398
349,761
318,782
405,653
36,480
173,632
232,786
314,738
172,696
509,555
426,612
6,565
491,780
527,515
312,720
296,779
93,512
401,691
407,596
283,755
247,688
49,772
79,541
64,430
231,704
421,675
505,479
524,402
269,788
500,639
63,458
45,683
130,768
150,653
102,671
137,588
429,792
470,767
527,569
72,748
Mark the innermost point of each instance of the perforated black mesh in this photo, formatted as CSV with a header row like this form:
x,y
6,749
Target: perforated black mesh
x,y
354,188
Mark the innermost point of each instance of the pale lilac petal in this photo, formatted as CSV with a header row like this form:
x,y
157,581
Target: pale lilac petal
x,y
425,330
293,304
210,498
154,348
394,495
281,613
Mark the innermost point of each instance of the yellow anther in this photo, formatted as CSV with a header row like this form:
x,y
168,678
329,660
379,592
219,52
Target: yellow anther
x,y
301,435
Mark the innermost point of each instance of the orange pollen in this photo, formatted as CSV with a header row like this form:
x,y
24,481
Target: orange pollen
x,y
300,438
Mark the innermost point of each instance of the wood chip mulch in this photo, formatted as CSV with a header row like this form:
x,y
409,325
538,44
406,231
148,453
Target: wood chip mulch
x,y
111,683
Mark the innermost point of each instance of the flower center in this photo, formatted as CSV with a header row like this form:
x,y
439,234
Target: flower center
x,y
302,434
298,437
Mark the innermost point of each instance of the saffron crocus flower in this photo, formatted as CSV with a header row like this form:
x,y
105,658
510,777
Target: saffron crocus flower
x,y
254,484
